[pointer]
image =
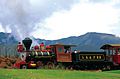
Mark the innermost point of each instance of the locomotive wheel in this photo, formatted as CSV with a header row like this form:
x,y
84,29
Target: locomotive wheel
x,y
70,67
39,64
108,67
76,67
50,65
23,67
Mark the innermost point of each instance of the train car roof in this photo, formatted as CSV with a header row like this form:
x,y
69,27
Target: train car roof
x,y
65,45
92,52
106,46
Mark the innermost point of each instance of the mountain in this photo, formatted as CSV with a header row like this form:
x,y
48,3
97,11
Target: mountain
x,y
91,41
7,38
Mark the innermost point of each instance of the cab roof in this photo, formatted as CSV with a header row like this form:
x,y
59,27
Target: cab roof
x,y
65,45
106,46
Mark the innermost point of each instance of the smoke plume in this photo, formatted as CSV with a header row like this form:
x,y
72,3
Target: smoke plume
x,y
22,16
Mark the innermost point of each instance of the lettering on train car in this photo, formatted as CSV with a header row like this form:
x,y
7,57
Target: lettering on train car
x,y
91,57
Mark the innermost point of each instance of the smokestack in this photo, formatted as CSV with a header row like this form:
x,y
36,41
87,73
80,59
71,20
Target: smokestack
x,y
27,43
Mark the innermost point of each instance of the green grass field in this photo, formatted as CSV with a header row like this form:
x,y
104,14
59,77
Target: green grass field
x,y
56,74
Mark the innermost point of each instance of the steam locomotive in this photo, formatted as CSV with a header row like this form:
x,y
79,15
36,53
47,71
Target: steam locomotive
x,y
61,54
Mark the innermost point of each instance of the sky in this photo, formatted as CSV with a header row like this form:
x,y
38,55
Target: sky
x,y
56,19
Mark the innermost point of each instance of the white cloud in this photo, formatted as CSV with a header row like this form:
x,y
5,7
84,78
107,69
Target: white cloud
x,y
83,17
22,16
55,19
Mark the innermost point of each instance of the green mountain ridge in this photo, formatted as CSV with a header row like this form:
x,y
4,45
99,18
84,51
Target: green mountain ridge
x,y
91,41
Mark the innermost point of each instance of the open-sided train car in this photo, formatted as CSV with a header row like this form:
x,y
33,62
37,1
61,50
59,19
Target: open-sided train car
x,y
112,54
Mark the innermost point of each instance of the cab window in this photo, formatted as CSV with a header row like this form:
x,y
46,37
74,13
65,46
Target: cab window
x,y
60,49
67,49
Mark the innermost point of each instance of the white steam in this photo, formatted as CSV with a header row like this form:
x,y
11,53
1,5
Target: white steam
x,y
22,16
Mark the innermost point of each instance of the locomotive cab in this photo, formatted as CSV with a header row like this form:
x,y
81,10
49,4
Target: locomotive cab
x,y
63,52
112,53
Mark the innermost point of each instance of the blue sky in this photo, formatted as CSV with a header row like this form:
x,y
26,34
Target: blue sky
x,y
55,19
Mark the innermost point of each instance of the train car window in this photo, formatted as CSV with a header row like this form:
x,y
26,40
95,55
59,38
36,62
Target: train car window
x,y
114,51
110,52
107,52
118,50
